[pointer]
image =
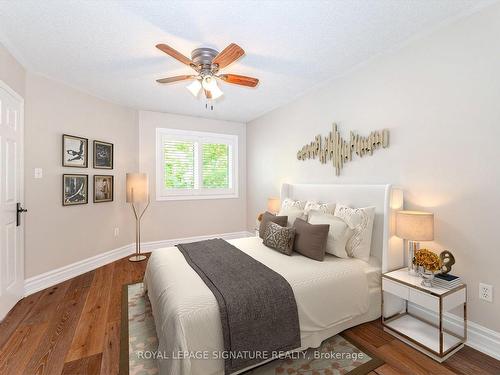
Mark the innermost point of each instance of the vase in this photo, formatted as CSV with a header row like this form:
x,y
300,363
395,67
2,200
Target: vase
x,y
428,277
420,270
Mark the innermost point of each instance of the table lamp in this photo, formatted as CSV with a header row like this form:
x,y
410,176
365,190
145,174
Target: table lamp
x,y
137,192
273,205
414,226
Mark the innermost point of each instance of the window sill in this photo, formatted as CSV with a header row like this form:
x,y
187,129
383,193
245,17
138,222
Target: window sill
x,y
195,197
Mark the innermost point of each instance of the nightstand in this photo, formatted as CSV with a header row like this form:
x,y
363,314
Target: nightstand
x,y
418,315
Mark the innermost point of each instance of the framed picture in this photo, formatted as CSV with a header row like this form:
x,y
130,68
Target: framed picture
x,y
103,155
74,151
75,189
103,188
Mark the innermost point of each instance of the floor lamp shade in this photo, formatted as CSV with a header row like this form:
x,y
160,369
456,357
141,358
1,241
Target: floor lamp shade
x,y
137,188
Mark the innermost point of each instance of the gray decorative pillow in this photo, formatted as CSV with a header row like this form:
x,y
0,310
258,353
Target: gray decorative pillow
x,y
279,238
270,218
310,240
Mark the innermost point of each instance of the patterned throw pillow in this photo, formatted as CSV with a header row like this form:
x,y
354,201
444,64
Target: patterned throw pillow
x,y
290,203
360,220
279,238
327,208
268,217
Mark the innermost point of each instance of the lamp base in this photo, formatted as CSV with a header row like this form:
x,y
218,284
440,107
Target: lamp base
x,y
137,258
413,247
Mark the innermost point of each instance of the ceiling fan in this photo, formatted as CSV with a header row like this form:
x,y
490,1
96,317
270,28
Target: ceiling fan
x,y
207,62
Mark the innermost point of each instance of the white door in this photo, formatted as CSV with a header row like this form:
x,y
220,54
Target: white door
x,y
11,193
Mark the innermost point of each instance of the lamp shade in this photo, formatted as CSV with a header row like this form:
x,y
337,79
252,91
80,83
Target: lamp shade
x,y
273,205
415,225
194,87
210,84
137,187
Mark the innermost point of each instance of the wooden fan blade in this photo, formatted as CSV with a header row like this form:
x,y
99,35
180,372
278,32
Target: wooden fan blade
x,y
174,79
239,80
208,94
231,53
175,54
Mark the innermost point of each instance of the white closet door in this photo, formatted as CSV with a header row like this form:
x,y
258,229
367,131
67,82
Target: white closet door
x,y
11,193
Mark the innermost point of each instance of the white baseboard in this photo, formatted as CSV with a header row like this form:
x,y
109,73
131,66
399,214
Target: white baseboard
x,y
48,279
480,338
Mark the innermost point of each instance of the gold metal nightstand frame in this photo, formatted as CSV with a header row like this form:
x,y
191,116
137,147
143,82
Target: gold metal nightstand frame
x,y
439,326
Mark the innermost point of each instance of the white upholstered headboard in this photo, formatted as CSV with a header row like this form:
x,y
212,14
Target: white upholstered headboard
x,y
386,199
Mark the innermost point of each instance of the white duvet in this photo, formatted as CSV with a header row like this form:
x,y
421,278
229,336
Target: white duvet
x,y
186,312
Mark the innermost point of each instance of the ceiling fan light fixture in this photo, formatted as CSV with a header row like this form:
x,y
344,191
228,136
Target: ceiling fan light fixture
x,y
194,87
216,92
210,84
207,63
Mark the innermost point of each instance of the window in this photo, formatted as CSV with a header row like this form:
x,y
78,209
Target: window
x,y
196,165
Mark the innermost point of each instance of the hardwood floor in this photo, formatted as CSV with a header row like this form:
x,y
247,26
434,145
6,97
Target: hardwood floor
x,y
74,328
71,328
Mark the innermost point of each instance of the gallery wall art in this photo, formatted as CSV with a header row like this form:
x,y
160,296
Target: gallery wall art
x,y
75,189
75,155
103,188
103,155
74,151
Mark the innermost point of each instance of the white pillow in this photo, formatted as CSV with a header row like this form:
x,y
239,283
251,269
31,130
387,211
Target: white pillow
x,y
327,208
292,213
292,209
360,220
290,203
338,234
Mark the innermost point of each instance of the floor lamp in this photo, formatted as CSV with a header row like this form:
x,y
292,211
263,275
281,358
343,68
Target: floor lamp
x,y
137,192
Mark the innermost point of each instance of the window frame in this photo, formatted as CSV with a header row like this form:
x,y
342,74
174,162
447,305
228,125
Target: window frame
x,y
164,194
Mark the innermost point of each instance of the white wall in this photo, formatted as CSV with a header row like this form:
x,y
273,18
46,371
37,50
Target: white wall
x,y
11,72
55,235
440,97
177,219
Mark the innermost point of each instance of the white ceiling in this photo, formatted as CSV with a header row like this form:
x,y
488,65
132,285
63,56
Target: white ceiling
x,y
106,48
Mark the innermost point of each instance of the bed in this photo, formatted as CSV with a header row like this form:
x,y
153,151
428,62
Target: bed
x,y
331,296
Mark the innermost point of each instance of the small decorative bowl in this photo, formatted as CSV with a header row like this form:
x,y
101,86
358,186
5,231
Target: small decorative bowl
x,y
428,277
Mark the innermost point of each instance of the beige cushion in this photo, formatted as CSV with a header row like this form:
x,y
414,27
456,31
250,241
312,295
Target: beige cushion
x,y
310,240
360,220
293,213
338,234
279,238
267,218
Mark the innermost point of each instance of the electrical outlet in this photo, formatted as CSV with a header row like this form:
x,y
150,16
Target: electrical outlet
x,y
486,292
117,232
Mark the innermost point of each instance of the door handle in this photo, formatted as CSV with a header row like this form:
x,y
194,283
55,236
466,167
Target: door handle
x,y
19,211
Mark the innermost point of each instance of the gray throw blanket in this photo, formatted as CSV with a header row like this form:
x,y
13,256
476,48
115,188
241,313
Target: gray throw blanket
x,y
257,305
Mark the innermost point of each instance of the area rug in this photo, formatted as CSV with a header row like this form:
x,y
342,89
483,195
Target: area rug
x,y
335,356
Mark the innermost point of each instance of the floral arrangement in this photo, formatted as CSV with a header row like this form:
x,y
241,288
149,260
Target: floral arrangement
x,y
427,259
